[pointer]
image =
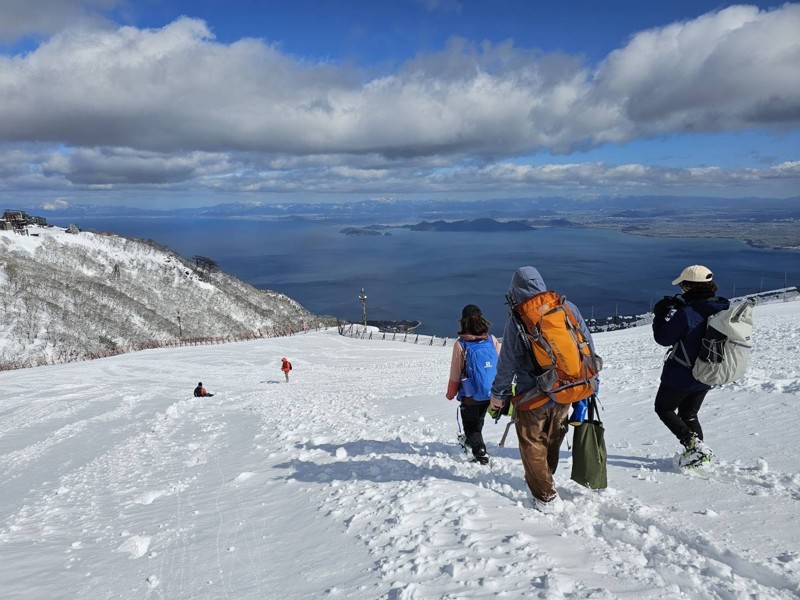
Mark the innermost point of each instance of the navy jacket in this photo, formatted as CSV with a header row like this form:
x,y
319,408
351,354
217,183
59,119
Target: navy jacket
x,y
687,325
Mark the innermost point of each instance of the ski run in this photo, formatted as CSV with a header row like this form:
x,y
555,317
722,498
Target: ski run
x,y
348,482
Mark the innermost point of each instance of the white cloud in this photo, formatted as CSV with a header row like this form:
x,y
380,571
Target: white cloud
x,y
172,107
238,173
730,70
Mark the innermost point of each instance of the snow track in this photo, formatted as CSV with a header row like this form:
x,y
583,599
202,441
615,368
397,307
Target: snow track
x,y
347,483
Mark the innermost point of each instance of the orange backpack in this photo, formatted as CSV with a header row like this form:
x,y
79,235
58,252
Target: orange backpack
x,y
565,366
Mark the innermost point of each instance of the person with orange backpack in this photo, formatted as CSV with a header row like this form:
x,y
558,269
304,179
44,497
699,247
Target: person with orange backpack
x,y
548,360
286,366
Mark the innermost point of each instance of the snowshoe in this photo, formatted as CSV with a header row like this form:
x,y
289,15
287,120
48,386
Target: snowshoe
x,y
693,460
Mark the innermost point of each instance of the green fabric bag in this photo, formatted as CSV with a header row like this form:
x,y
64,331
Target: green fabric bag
x,y
589,451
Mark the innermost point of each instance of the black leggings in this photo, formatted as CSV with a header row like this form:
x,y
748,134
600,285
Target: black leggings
x,y
685,422
472,418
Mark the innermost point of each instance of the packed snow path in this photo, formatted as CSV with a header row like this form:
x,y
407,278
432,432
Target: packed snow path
x,y
347,481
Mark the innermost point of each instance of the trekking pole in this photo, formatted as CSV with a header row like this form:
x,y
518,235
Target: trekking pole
x,y
460,437
505,433
512,415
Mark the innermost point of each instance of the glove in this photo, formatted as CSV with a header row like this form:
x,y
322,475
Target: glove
x,y
663,306
496,411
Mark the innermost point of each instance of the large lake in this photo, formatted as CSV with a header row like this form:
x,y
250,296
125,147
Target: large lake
x,y
429,276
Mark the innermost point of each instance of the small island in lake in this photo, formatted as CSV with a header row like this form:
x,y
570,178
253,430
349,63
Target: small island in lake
x,y
361,231
471,225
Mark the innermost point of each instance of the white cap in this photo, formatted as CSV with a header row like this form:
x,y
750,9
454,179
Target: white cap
x,y
696,273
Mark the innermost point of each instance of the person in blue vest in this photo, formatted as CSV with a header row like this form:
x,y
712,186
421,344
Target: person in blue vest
x,y
680,321
472,369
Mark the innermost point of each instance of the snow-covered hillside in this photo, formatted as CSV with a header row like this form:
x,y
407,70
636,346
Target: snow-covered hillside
x,y
347,482
67,295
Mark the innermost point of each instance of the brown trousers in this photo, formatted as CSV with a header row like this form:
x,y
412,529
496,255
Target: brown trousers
x,y
540,432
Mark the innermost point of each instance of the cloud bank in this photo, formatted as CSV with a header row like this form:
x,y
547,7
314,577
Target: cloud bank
x,y
94,106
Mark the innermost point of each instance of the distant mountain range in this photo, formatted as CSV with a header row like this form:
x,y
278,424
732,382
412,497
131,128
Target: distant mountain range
x,y
367,210
766,222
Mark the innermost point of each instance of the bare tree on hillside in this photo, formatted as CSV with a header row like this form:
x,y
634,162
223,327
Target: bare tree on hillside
x,y
204,266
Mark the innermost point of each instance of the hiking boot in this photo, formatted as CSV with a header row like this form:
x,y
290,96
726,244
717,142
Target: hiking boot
x,y
697,445
481,456
555,506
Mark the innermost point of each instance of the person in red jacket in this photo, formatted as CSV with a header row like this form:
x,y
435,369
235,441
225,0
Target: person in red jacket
x,y
286,366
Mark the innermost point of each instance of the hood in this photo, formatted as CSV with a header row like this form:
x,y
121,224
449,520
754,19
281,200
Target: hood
x,y
709,306
525,283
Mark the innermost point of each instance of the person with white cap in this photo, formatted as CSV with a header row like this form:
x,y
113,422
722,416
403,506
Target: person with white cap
x,y
680,322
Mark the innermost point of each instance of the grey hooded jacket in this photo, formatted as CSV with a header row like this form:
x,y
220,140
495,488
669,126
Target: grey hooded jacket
x,y
515,359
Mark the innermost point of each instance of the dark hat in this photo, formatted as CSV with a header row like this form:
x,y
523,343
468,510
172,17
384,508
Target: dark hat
x,y
470,310
200,383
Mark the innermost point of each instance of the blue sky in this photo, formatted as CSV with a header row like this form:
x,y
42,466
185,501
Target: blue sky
x,y
174,103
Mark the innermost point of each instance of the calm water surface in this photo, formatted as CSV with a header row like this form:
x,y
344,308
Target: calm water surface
x,y
429,276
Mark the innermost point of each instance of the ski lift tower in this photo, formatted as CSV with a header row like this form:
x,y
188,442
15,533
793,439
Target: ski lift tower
x,y
363,297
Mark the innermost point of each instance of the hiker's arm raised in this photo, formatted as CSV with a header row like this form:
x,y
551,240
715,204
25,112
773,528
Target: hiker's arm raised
x,y
666,333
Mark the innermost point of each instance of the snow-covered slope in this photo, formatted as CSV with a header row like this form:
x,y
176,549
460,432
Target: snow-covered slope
x,y
346,482
67,295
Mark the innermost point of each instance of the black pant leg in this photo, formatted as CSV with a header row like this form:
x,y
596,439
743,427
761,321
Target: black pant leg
x,y
688,409
673,406
472,417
